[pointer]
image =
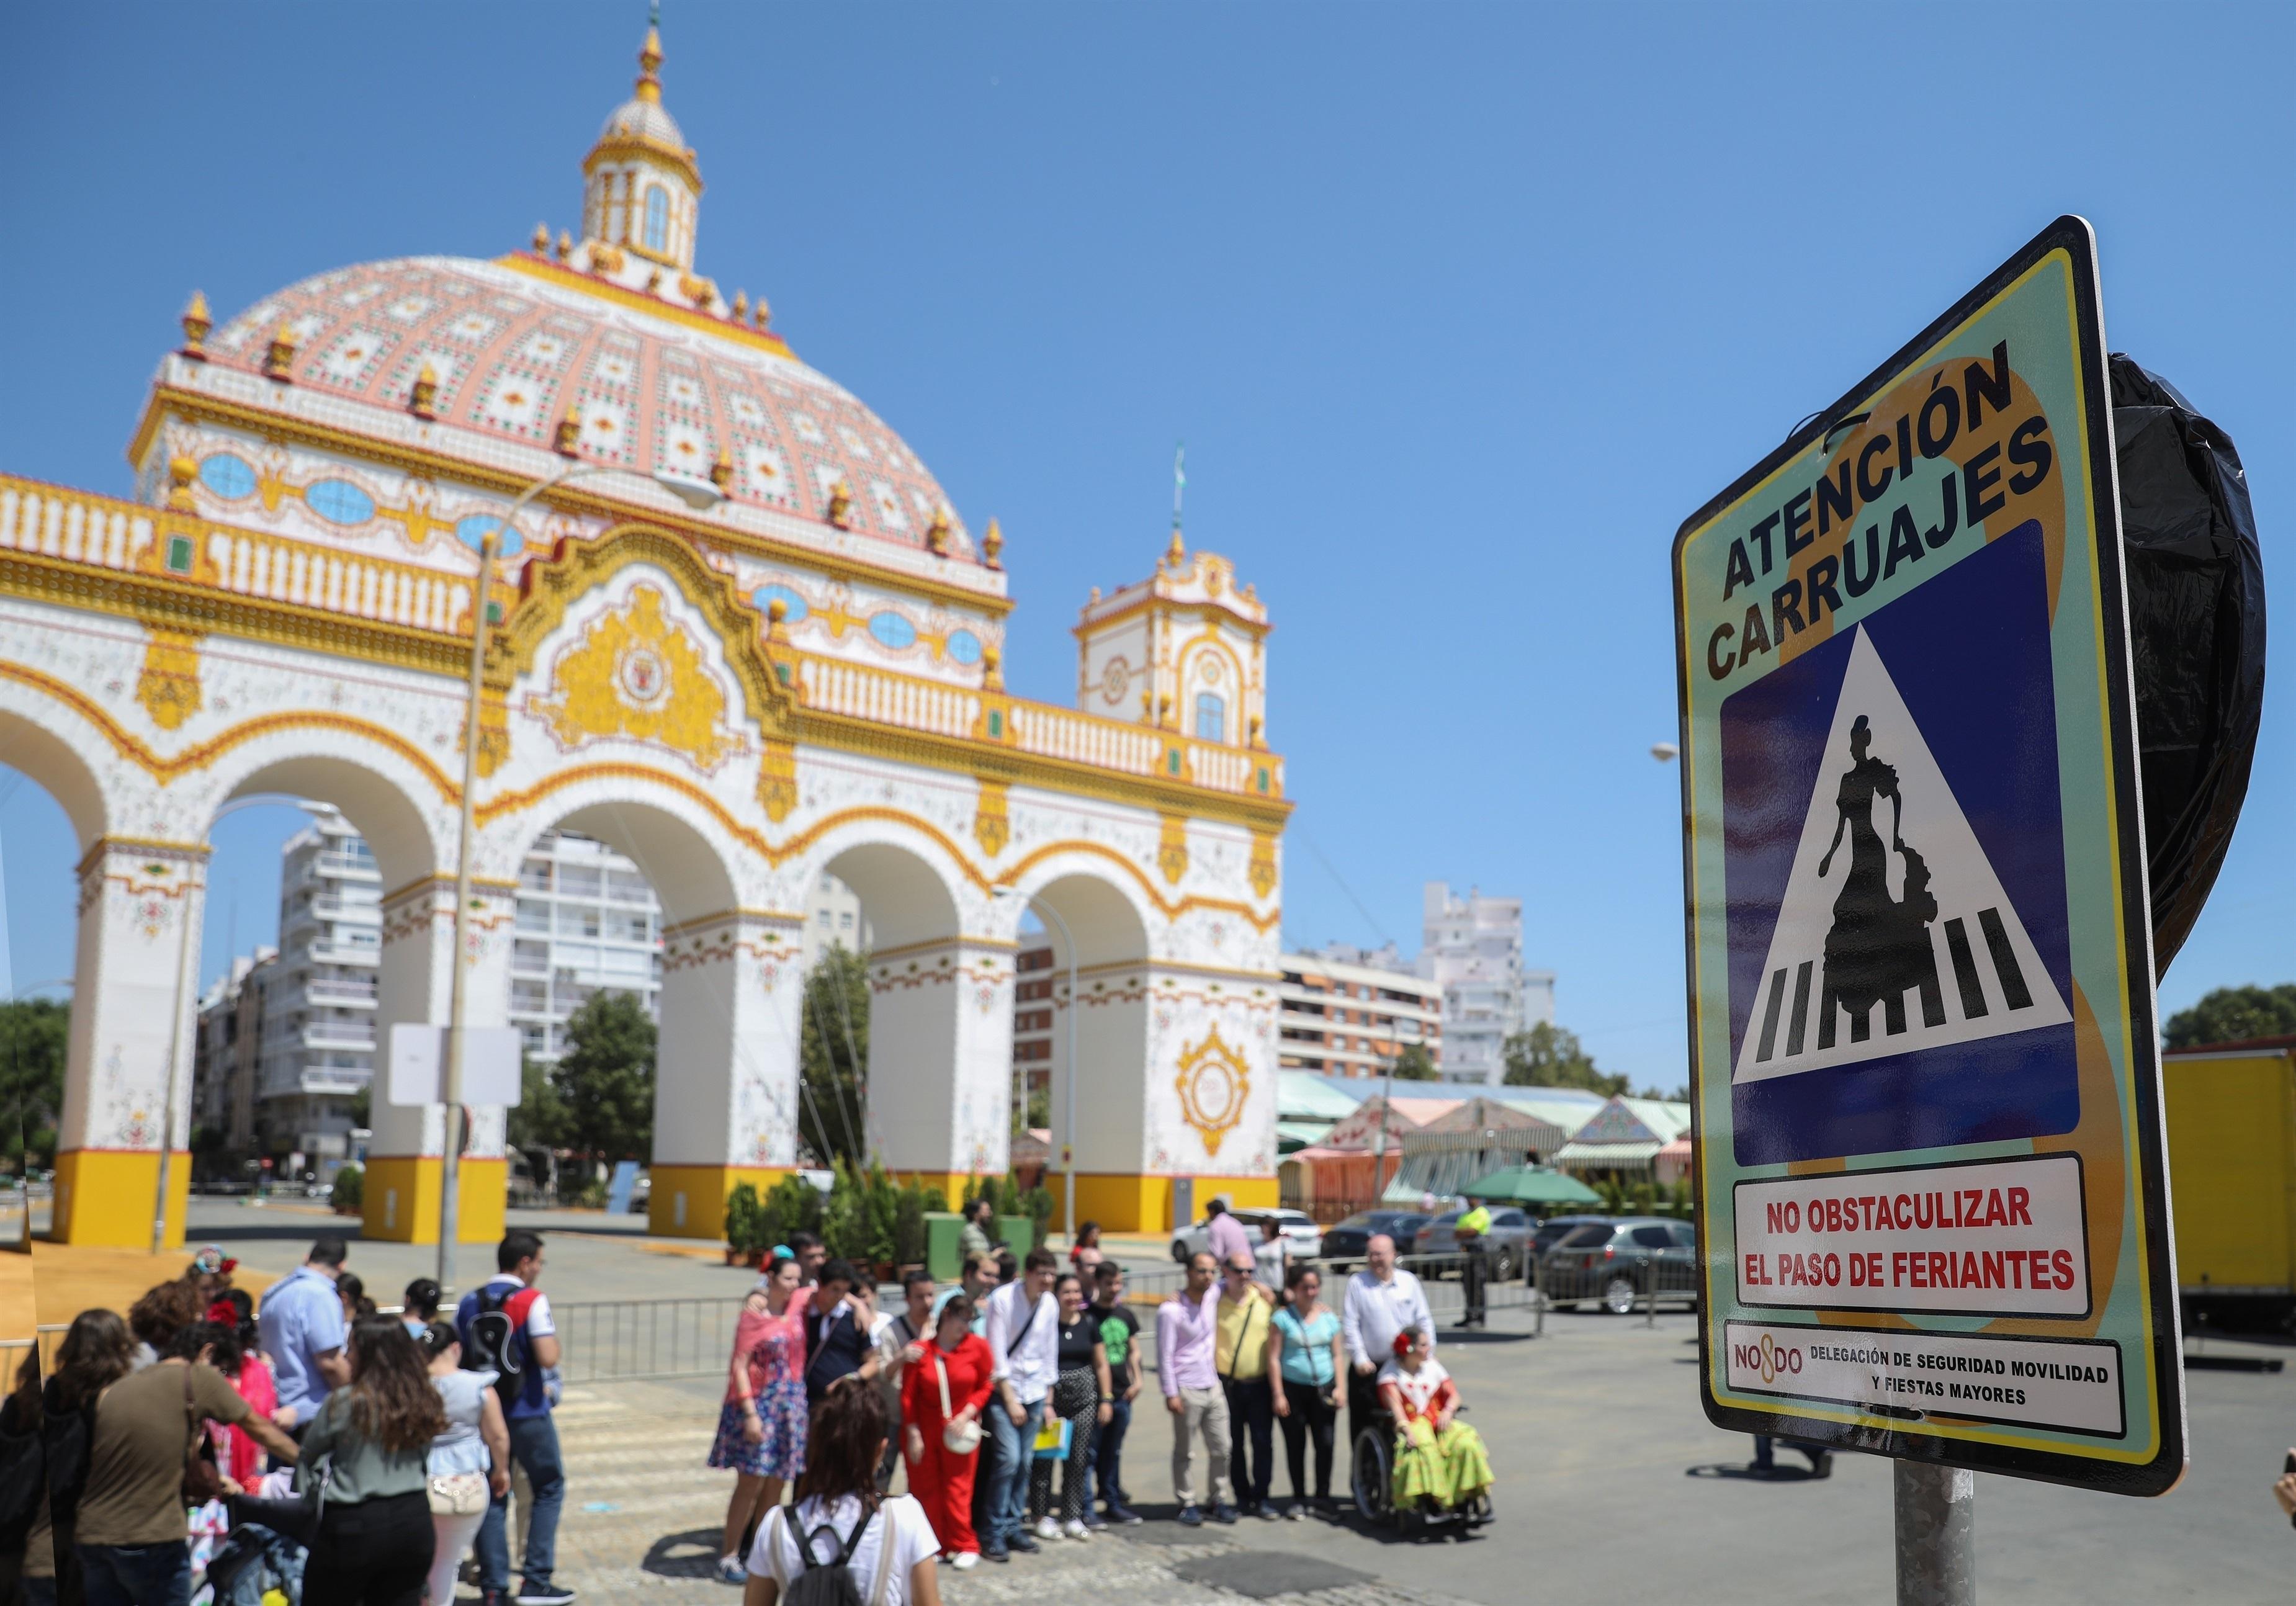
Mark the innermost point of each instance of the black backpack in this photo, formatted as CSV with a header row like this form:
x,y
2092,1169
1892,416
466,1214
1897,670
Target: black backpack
x,y
828,1583
493,1344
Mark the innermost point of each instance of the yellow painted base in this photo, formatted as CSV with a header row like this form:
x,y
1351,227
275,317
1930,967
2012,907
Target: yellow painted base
x,y
401,1200
106,1196
1123,1203
689,1201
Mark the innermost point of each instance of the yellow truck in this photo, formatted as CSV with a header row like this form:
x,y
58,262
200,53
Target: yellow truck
x,y
2231,1112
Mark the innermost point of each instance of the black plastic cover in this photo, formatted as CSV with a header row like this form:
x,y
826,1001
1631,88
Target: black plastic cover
x,y
2196,633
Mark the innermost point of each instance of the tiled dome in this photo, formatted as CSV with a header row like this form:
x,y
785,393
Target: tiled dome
x,y
512,345
642,120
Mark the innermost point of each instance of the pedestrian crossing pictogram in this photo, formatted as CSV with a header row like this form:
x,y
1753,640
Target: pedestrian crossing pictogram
x,y
1895,934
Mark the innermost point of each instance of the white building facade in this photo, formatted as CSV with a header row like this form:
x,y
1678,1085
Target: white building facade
x,y
805,678
1471,949
1349,1012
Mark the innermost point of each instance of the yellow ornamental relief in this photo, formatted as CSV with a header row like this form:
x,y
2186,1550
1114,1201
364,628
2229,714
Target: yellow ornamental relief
x,y
1263,863
992,826
168,687
1172,849
1213,1083
777,781
636,674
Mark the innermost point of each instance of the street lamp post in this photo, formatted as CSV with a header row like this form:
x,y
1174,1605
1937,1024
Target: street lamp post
x,y
1067,1096
701,496
186,964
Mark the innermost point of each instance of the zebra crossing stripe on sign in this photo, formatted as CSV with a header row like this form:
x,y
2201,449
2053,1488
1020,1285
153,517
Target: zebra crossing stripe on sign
x,y
1894,935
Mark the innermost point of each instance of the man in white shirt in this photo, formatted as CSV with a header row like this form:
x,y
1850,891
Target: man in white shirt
x,y
1383,1299
1024,1334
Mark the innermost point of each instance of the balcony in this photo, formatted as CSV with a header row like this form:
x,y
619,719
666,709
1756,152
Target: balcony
x,y
349,866
342,994
346,952
346,909
338,1034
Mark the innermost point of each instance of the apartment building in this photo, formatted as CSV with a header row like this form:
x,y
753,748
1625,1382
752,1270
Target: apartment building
x,y
317,1018
1349,1011
1033,1054
226,1054
1471,950
588,921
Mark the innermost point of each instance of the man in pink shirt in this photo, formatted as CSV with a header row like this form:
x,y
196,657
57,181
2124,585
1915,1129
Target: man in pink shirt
x,y
1186,1329
1228,1238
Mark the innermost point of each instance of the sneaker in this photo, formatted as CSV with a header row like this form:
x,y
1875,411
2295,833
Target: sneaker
x,y
1123,1515
1094,1522
530,1593
965,1560
730,1570
1298,1512
1267,1512
1023,1544
1224,1513
1190,1517
1048,1528
1074,1528
994,1552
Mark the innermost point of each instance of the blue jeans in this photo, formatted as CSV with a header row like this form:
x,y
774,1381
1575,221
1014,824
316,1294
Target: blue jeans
x,y
533,1446
136,1575
1013,1455
1104,1479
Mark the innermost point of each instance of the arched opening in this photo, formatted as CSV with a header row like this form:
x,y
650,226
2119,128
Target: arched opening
x,y
52,812
1107,969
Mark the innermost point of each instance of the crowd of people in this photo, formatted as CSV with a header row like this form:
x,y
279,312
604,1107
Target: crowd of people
x,y
308,1443
351,1455
1001,1403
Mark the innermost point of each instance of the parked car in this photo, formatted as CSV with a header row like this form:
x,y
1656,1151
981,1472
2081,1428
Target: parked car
x,y
1554,1229
1351,1238
1507,1243
1610,1263
642,1193
1306,1238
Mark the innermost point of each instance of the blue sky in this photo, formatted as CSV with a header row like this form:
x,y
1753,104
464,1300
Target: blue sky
x,y
1461,310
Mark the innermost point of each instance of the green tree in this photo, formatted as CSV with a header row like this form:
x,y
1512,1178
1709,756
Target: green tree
x,y
605,1079
34,1037
1035,1109
538,1119
1414,1064
2233,1014
833,1058
1548,1056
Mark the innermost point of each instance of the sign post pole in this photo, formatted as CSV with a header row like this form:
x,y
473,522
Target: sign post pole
x,y
1937,1534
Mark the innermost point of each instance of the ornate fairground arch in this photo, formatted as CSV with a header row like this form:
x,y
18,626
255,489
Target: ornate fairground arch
x,y
806,679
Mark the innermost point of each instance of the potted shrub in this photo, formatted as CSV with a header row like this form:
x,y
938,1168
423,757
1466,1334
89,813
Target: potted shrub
x,y
744,1219
349,1197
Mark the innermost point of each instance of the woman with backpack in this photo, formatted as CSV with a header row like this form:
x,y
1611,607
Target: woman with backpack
x,y
368,1451
761,1427
942,1397
840,1543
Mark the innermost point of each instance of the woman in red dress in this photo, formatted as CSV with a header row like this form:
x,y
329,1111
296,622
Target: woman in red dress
x,y
944,1394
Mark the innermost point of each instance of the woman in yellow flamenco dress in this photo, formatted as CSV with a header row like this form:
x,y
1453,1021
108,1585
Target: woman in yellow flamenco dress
x,y
1438,1457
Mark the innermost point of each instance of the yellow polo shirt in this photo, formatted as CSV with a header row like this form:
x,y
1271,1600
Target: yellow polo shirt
x,y
1243,1353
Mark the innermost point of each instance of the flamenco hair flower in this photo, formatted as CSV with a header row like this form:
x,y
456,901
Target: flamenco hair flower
x,y
1402,1344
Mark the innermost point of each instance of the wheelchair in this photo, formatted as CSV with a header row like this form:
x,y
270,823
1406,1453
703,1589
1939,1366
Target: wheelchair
x,y
1370,1481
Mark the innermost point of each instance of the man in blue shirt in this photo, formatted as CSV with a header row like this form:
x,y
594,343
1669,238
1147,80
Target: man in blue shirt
x,y
301,1321
532,1348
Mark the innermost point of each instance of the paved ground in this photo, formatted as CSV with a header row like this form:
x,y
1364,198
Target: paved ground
x,y
1612,1486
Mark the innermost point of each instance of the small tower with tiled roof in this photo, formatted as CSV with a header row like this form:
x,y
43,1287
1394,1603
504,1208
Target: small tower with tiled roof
x,y
642,190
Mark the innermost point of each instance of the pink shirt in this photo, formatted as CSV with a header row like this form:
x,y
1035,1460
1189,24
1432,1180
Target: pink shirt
x,y
772,1347
237,1454
1229,1240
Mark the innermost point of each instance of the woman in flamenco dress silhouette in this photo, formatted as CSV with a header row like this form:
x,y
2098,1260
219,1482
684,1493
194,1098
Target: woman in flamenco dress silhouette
x,y
1878,947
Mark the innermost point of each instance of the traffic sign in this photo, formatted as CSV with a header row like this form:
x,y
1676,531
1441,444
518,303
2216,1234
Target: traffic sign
x,y
1933,1216
491,1064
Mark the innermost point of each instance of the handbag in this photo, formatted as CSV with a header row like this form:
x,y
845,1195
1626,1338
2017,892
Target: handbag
x,y
1053,1439
457,1493
958,1439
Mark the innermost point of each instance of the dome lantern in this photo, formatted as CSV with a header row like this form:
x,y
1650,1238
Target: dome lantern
x,y
642,188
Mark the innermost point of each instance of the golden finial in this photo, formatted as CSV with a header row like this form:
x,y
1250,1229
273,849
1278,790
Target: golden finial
x,y
279,361
721,471
196,324
423,400
992,544
992,670
541,238
567,440
776,610
650,59
936,533
740,305
765,314
182,469
1254,740
1176,553
565,245
840,504
1094,597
